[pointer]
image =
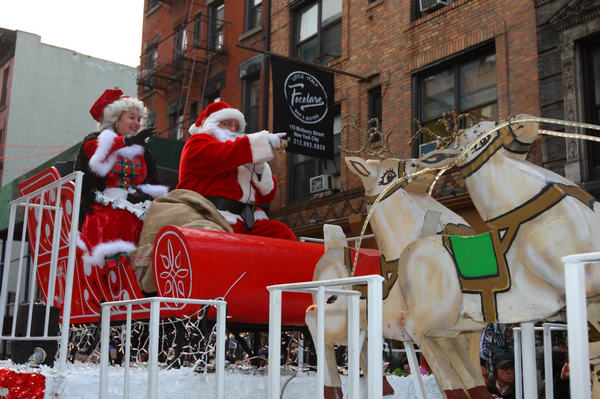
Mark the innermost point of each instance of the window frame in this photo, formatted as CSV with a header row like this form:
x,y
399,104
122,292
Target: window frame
x,y
416,9
375,109
179,46
197,26
152,4
591,105
4,93
454,64
247,108
295,44
252,20
216,30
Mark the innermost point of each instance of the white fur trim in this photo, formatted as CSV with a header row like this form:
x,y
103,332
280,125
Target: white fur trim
x,y
114,193
100,251
139,209
194,129
259,214
265,185
231,218
225,114
154,190
130,152
243,178
260,146
80,244
102,162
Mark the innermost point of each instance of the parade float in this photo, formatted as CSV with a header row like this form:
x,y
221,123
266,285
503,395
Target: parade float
x,y
535,218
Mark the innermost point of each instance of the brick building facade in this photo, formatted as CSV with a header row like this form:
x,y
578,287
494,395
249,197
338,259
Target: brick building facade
x,y
476,56
189,59
417,59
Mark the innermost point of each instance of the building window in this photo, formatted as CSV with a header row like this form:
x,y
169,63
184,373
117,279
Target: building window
x,y
466,87
152,4
197,35
151,119
179,47
374,110
424,7
175,123
251,102
253,14
4,87
175,116
591,80
193,112
212,98
318,31
216,13
303,167
150,64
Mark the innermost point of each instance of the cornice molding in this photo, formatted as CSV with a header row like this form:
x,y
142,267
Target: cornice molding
x,y
575,13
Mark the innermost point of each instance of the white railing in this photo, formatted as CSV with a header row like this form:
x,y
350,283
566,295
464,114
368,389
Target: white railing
x,y
375,344
52,193
575,292
152,368
528,351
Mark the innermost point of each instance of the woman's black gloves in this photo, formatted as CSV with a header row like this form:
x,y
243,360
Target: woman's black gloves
x,y
140,137
141,197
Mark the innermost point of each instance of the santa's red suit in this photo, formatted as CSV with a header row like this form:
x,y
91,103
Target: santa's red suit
x,y
119,183
232,171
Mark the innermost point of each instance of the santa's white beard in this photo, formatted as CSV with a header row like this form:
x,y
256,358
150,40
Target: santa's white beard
x,y
221,134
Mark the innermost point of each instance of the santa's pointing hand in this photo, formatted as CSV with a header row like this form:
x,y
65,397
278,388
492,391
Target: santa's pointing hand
x,y
277,140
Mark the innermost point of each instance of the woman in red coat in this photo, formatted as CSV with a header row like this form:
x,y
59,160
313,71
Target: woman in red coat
x,y
120,180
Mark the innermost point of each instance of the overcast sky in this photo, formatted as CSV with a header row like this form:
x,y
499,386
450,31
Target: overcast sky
x,y
107,29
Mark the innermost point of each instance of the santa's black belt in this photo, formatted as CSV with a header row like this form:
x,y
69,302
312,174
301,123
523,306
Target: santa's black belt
x,y
245,211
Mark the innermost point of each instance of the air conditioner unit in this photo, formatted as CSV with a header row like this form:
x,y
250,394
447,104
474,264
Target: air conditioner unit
x,y
427,147
321,183
429,5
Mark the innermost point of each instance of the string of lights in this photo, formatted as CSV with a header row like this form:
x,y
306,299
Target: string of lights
x,y
188,341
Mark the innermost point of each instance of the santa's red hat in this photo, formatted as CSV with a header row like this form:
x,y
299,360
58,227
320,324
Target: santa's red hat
x,y
112,103
214,113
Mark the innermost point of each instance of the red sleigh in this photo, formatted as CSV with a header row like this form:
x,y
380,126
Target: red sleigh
x,y
187,262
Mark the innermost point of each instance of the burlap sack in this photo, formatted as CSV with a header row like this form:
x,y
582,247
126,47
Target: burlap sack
x,y
180,208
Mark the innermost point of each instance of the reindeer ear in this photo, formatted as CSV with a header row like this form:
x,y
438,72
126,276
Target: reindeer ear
x,y
360,167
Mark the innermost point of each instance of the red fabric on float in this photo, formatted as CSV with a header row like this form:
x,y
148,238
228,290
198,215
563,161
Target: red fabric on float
x,y
201,264
22,385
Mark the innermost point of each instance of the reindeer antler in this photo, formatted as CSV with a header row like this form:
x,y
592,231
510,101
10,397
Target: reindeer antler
x,y
451,122
369,138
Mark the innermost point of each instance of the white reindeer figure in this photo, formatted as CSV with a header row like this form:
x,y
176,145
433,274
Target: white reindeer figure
x,y
404,215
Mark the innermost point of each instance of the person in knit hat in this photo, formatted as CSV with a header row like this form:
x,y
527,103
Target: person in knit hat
x,y
120,180
230,169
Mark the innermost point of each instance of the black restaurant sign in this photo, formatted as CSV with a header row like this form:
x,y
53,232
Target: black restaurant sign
x,y
302,107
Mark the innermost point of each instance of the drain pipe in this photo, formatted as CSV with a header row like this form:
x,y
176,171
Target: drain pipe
x,y
266,66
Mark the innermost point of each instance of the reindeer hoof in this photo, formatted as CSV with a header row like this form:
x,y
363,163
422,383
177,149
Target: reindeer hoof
x,y
480,392
333,393
456,394
387,388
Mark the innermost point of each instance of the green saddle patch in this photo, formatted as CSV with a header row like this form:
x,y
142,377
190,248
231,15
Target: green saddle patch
x,y
475,256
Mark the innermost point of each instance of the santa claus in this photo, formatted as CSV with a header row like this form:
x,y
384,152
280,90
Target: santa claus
x,y
120,180
230,169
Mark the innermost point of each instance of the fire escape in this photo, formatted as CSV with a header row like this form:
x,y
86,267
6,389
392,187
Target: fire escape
x,y
195,45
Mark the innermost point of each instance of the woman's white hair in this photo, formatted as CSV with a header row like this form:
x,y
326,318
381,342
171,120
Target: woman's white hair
x,y
113,111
